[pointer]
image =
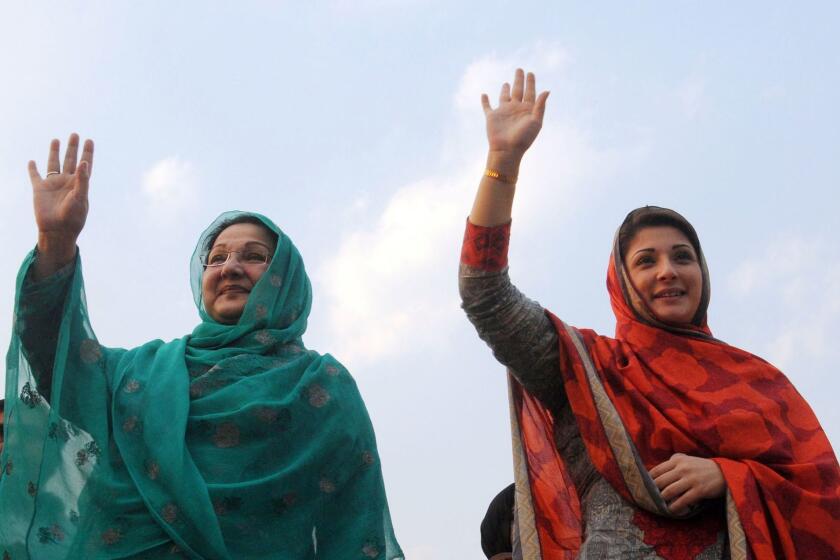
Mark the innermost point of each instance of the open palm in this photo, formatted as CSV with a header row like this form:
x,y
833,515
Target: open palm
x,y
513,126
61,197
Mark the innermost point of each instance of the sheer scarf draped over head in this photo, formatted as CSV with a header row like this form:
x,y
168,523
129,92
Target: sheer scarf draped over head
x,y
235,441
655,390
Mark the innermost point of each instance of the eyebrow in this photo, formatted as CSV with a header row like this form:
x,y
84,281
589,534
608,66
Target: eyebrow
x,y
246,244
651,249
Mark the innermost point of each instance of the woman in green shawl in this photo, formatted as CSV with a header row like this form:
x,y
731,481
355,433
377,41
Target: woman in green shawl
x,y
232,442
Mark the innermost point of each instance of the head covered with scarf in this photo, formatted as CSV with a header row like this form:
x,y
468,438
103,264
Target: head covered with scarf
x,y
657,389
235,441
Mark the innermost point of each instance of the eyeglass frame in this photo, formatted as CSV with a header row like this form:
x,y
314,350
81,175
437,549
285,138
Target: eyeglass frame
x,y
204,256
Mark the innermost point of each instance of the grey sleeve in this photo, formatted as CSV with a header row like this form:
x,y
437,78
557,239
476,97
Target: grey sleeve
x,y
517,330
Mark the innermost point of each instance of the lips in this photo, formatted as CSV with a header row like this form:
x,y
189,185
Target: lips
x,y
669,293
233,290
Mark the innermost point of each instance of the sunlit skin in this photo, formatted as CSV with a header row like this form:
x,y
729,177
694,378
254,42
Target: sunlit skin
x,y
225,289
665,271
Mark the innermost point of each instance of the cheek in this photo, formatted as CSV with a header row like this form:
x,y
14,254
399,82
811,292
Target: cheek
x,y
208,285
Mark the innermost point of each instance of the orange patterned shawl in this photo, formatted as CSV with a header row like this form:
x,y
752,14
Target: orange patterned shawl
x,y
653,391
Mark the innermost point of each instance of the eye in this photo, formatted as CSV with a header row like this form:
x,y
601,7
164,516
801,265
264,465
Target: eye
x,y
645,260
684,256
255,257
216,258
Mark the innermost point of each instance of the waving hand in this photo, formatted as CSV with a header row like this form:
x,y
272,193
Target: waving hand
x,y
511,129
61,203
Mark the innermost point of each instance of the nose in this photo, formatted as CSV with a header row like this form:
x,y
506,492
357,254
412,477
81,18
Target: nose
x,y
232,267
666,270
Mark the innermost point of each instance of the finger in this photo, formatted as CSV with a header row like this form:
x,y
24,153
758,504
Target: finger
x,y
683,504
675,490
34,176
661,469
539,106
504,95
71,153
518,85
87,155
83,178
530,88
52,159
666,479
485,103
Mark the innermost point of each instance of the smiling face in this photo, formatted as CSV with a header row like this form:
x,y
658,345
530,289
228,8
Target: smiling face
x,y
664,268
225,289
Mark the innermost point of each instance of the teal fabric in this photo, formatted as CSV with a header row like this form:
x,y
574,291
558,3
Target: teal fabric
x,y
235,441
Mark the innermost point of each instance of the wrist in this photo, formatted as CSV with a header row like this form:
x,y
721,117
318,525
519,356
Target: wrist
x,y
54,249
506,163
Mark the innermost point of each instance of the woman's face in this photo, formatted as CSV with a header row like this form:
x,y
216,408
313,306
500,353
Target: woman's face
x,y
225,288
665,271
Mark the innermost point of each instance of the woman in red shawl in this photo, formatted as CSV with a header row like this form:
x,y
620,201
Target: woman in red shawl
x,y
662,442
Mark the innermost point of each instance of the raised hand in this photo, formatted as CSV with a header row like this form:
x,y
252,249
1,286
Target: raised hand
x,y
61,202
684,480
513,126
511,129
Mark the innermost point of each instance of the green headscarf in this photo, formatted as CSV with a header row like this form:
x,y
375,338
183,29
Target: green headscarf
x,y
233,442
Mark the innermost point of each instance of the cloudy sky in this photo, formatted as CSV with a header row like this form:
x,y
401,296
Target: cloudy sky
x,y
356,125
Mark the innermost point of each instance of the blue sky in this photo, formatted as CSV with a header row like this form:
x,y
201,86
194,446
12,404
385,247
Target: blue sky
x,y
356,126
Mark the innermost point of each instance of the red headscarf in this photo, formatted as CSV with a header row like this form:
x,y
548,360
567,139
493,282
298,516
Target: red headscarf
x,y
656,390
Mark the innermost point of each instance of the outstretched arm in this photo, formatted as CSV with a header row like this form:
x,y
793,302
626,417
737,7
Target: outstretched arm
x,y
511,129
61,204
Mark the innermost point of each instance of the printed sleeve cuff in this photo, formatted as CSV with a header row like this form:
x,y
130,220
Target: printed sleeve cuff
x,y
486,248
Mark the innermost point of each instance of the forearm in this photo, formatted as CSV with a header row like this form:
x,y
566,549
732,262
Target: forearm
x,y
516,328
39,312
54,253
494,199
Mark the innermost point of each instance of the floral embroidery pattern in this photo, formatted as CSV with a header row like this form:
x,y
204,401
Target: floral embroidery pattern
x,y
368,458
74,517
90,351
261,311
169,513
327,486
227,435
152,470
85,454
371,549
332,370
283,504
62,430
50,535
264,337
32,489
112,536
318,396
224,505
29,396
131,386
130,424
8,468
276,280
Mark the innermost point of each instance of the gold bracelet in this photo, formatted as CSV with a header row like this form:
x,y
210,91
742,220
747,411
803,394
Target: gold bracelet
x,y
493,174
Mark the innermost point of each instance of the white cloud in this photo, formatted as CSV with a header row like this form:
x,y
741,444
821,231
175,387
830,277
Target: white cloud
x,y
170,185
391,287
803,277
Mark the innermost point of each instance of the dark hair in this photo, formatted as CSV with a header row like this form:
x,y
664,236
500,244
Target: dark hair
x,y
654,216
497,523
211,239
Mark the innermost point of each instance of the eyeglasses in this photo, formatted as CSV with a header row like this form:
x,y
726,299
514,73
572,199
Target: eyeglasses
x,y
248,257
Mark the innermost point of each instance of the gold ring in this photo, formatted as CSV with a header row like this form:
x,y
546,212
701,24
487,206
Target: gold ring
x,y
53,173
